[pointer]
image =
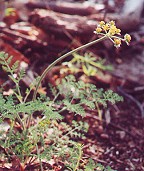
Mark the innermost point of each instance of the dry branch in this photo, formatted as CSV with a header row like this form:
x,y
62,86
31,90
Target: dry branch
x,y
82,9
58,23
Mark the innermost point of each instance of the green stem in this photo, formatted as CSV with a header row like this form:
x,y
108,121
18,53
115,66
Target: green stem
x,y
19,93
63,57
98,109
38,153
20,121
10,133
27,94
79,158
63,109
55,98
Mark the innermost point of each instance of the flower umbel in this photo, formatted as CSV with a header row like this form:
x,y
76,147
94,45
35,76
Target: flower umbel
x,y
112,32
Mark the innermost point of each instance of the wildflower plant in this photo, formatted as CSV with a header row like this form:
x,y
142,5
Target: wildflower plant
x,y
106,30
30,138
44,137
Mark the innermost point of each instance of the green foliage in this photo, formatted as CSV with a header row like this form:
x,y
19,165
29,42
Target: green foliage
x,y
43,137
18,144
88,63
15,74
60,139
78,95
9,109
5,61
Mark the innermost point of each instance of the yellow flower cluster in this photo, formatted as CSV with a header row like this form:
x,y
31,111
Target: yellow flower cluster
x,y
111,31
44,123
109,28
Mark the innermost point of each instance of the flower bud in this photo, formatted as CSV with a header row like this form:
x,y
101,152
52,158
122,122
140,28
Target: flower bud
x,y
98,30
112,23
127,38
117,42
101,23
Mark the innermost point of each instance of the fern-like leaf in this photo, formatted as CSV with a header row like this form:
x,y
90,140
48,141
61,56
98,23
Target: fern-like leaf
x,y
76,108
14,67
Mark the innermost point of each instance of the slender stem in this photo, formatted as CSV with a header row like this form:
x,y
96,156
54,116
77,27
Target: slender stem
x,y
19,93
63,109
57,61
20,121
69,133
63,57
98,109
79,158
55,98
38,153
10,133
25,99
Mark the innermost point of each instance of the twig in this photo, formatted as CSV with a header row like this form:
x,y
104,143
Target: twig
x,y
96,159
138,104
